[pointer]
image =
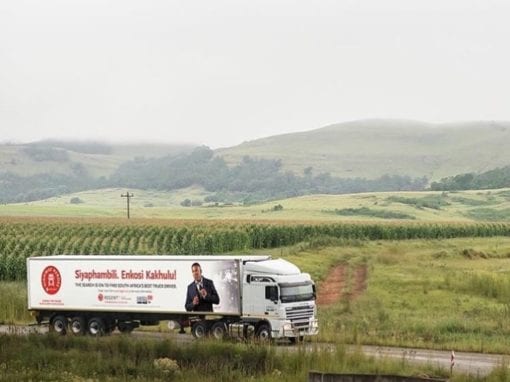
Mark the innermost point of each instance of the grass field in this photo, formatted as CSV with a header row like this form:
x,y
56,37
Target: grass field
x,y
444,294
490,205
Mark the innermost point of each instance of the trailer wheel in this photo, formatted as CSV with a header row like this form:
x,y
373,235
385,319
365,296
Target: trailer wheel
x,y
78,326
59,325
199,329
125,327
219,330
96,327
263,332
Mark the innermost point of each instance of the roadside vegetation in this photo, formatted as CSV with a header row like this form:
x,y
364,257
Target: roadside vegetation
x,y
121,358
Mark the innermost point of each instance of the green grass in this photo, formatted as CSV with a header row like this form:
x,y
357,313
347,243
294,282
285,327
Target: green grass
x,y
420,206
432,294
13,300
489,214
122,358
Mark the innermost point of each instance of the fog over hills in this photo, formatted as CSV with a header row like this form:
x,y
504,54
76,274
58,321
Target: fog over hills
x,y
371,148
357,156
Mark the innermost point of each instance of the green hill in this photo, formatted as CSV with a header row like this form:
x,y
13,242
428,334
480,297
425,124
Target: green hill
x,y
371,148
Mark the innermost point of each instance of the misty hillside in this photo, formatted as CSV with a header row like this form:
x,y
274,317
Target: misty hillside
x,y
372,148
67,158
362,156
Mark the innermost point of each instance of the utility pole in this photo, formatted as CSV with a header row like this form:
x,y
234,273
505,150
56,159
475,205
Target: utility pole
x,y
128,196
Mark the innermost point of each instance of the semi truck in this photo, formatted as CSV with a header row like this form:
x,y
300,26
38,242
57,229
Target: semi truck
x,y
219,296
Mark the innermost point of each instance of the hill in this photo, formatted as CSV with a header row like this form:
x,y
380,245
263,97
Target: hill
x,y
462,206
361,156
371,148
60,157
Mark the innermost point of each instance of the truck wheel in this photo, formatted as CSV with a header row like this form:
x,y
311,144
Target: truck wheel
x,y
78,326
219,330
96,327
263,332
59,325
199,329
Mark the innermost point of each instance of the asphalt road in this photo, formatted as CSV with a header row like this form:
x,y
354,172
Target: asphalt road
x,y
477,364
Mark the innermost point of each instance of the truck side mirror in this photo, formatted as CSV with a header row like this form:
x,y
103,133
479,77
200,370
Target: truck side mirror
x,y
272,293
314,292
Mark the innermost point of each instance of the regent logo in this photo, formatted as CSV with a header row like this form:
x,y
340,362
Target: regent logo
x,y
100,297
51,280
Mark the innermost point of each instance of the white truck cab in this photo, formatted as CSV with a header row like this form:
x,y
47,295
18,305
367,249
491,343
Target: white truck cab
x,y
276,291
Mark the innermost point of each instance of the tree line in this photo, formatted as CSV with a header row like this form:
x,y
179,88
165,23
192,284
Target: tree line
x,y
251,180
497,178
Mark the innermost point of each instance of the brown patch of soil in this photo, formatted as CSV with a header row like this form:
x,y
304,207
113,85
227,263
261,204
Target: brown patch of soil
x,y
360,281
331,288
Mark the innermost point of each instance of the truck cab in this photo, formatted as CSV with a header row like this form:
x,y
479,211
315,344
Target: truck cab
x,y
279,299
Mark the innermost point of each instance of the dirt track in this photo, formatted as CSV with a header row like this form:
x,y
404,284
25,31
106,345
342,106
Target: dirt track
x,y
343,282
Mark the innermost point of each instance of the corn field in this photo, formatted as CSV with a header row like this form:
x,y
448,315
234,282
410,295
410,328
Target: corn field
x,y
22,239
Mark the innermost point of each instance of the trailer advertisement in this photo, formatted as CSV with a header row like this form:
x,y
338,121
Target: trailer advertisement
x,y
126,285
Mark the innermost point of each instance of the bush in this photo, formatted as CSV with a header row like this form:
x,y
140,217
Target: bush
x,y
364,211
75,200
430,201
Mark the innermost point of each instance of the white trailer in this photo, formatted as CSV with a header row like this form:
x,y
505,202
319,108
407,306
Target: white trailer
x,y
97,294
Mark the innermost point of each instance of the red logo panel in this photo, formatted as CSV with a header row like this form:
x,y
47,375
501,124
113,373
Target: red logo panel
x,y
51,280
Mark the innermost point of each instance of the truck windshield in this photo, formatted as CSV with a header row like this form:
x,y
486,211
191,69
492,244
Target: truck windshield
x,y
296,292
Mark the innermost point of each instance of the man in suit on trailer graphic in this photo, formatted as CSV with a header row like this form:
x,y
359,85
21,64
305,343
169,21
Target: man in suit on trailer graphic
x,y
201,293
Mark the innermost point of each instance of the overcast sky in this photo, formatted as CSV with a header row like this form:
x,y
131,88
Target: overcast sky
x,y
219,72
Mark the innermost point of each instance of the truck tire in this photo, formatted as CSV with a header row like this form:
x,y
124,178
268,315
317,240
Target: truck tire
x,y
219,330
199,329
59,325
96,327
78,326
263,332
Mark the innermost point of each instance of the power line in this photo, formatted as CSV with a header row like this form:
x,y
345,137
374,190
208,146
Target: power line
x,y
128,196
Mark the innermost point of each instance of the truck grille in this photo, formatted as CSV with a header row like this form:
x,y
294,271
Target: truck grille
x,y
300,316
